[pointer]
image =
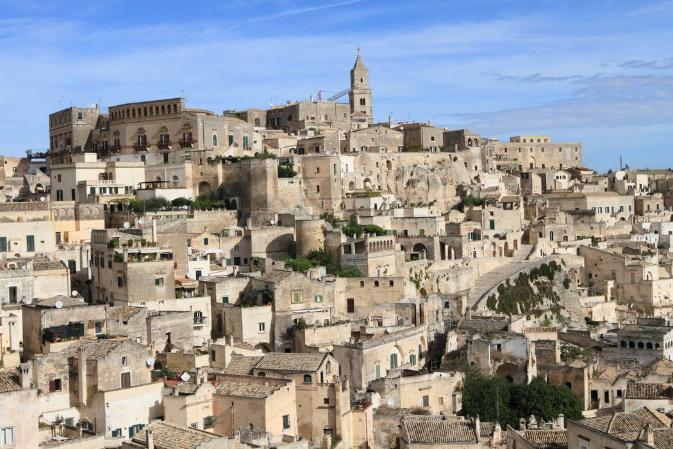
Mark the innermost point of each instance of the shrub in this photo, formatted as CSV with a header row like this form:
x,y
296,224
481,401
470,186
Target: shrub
x,y
349,271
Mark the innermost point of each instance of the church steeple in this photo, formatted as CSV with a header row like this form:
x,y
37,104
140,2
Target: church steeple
x,y
360,95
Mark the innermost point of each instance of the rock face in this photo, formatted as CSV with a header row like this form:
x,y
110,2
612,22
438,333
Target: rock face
x,y
427,182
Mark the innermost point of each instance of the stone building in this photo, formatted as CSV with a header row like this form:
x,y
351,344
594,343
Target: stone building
x,y
104,384
643,428
19,412
127,269
372,357
527,152
374,139
422,137
261,404
73,128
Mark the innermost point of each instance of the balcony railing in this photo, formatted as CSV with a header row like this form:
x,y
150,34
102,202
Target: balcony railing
x,y
140,147
164,145
187,143
115,148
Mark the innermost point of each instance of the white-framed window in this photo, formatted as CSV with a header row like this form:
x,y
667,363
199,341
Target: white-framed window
x,y
7,436
261,327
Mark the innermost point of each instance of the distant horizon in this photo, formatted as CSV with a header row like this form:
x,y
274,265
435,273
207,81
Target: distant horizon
x,y
599,72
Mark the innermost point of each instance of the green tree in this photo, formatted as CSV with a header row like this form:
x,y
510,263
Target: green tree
x,y
494,399
487,397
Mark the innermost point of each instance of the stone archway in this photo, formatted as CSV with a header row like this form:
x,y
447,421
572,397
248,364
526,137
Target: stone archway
x,y
204,187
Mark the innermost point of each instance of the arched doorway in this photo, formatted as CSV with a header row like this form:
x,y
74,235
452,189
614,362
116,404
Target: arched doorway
x,y
204,187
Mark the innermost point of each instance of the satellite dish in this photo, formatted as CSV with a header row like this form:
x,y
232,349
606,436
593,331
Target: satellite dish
x,y
141,222
150,361
126,225
43,199
74,293
58,304
185,376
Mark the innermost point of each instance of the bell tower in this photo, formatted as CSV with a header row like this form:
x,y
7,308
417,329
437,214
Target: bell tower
x,y
360,96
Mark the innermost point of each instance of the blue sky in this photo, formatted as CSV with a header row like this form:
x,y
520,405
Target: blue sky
x,y
600,72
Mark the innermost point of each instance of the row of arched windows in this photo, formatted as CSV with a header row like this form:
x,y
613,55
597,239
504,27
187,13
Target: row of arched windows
x,y
640,345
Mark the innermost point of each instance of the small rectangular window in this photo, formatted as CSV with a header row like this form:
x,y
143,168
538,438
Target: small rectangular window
x,y
158,282
286,422
54,386
30,243
225,300
261,327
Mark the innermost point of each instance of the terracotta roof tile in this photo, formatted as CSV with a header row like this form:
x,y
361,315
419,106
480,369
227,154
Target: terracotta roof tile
x,y
171,436
547,439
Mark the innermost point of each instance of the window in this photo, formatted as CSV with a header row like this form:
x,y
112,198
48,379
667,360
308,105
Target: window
x,y
376,283
126,380
205,240
159,282
225,299
296,297
120,281
13,294
59,195
582,443
80,115
117,433
317,189
3,244
308,379
98,327
214,140
30,243
350,305
261,327
325,401
286,422
246,143
378,370
55,385
391,283
393,360
231,140
412,359
58,178
7,436
318,298
208,422
426,401
328,367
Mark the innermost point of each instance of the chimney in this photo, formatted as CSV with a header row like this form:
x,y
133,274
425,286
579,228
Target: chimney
x,y
477,428
649,435
150,439
82,374
154,230
26,377
231,340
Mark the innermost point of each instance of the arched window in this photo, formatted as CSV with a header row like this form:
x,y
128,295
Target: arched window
x,y
214,140
328,367
640,345
362,102
648,345
632,345
308,379
393,360
623,344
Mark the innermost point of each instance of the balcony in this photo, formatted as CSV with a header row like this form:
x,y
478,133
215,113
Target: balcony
x,y
140,147
187,143
115,148
164,144
200,321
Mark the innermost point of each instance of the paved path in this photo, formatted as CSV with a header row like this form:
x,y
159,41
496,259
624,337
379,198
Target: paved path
x,y
489,281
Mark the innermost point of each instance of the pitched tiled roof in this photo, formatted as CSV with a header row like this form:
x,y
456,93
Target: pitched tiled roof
x,y
279,362
247,389
241,365
547,439
627,426
276,275
171,436
66,301
9,382
663,438
421,429
123,313
649,391
288,362
43,263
